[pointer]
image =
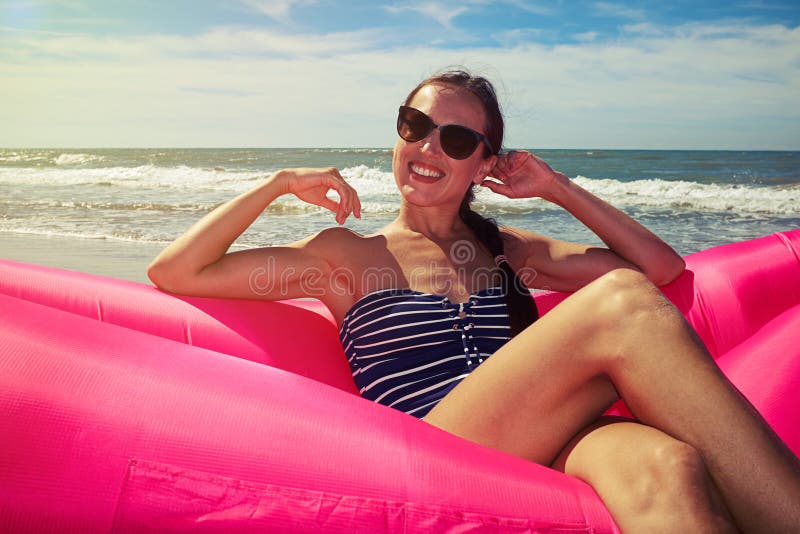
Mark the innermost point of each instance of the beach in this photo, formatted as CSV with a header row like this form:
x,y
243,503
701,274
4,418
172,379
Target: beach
x,y
117,259
110,211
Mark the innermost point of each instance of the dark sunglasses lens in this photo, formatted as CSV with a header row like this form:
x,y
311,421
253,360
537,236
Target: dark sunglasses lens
x,y
413,125
458,142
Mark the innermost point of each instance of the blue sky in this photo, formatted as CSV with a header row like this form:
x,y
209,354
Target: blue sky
x,y
585,74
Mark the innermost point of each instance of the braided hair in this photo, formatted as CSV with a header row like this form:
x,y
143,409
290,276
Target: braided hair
x,y
521,306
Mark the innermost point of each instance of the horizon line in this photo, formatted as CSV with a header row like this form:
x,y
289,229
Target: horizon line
x,y
387,149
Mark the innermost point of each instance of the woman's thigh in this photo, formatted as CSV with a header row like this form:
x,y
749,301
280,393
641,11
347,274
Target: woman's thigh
x,y
541,388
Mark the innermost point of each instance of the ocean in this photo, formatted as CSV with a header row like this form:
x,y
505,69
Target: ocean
x,y
692,199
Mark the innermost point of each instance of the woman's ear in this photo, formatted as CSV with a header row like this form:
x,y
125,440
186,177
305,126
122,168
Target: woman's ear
x,y
484,169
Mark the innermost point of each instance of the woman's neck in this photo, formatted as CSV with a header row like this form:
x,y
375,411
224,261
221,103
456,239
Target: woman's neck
x,y
434,222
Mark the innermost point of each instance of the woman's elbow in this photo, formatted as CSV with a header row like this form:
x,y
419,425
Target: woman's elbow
x,y
668,271
155,274
163,277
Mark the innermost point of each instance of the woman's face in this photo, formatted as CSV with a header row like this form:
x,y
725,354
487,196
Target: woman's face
x,y
425,175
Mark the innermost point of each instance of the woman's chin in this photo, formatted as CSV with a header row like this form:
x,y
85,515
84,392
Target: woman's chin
x,y
425,180
417,194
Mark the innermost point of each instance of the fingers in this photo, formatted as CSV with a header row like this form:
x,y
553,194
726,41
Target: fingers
x,y
509,163
517,159
516,165
349,203
330,204
502,168
499,188
521,175
313,185
499,173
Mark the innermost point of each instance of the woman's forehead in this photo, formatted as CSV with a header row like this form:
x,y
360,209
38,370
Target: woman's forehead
x,y
447,104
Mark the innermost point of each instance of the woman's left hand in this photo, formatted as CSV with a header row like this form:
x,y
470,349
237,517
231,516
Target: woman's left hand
x,y
522,175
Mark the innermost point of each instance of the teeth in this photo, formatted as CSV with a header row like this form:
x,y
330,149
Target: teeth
x,y
426,172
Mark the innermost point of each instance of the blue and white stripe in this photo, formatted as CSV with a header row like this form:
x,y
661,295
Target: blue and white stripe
x,y
408,349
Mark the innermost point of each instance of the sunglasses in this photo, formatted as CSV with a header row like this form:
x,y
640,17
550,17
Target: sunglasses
x,y
458,142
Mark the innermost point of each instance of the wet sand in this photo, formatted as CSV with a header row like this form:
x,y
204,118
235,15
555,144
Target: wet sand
x,y
119,259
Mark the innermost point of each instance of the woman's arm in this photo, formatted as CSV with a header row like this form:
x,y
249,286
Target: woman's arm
x,y
197,263
568,266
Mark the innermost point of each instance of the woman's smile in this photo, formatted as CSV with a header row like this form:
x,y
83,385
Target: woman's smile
x,y
424,172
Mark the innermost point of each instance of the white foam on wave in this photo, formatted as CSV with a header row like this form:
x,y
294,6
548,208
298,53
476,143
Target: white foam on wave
x,y
669,194
377,189
77,159
370,181
13,157
122,205
144,176
355,150
378,192
79,234
25,156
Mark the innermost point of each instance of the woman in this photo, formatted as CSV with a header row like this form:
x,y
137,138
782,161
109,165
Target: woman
x,y
423,302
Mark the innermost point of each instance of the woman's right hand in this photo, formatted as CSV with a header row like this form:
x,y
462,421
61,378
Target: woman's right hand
x,y
312,186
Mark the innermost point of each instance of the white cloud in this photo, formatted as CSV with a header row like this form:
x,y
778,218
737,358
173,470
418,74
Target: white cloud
x,y
445,12
611,9
764,5
586,37
441,13
532,7
643,29
219,42
702,86
512,38
75,5
280,10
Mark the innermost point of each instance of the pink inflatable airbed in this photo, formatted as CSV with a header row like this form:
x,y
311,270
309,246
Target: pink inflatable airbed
x,y
125,409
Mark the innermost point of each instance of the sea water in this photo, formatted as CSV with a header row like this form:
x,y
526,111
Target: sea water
x,y
692,199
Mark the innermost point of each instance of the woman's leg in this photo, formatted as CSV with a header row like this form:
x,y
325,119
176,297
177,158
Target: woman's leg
x,y
619,334
649,481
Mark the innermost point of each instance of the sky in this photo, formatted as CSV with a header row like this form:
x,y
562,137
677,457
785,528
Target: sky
x,y
627,74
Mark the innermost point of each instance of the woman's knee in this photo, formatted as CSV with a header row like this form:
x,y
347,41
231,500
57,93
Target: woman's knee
x,y
662,474
638,465
626,294
626,309
674,488
677,471
675,467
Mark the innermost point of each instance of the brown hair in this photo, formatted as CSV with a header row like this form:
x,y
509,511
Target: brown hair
x,y
521,306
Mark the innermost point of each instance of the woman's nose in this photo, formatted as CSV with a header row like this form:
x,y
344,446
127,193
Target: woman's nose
x,y
432,143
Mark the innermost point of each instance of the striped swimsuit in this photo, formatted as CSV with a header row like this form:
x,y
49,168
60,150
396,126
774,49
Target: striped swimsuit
x,y
408,349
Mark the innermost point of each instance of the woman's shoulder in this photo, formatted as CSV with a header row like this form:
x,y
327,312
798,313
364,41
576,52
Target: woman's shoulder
x,y
521,244
525,248
336,237
348,255
341,246
531,245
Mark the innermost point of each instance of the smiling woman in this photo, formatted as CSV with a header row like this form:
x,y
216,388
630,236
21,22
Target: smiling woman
x,y
452,338
441,340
